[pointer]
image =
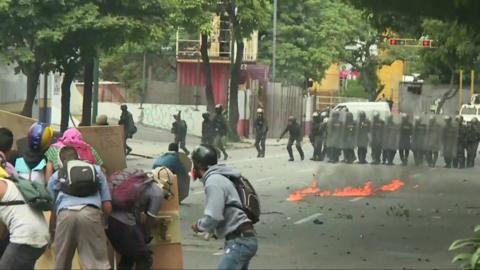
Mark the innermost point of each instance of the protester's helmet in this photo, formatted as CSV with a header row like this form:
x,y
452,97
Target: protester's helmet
x,y
40,136
204,156
315,114
325,120
259,110
292,119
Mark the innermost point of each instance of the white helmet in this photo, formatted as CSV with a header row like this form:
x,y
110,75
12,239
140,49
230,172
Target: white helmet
x,y
259,110
325,120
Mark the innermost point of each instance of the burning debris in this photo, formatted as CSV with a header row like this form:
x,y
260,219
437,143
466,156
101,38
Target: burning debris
x,y
365,191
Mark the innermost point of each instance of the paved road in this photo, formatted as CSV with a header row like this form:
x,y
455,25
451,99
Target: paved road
x,y
410,228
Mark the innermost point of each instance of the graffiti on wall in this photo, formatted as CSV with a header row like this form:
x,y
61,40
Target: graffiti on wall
x,y
161,116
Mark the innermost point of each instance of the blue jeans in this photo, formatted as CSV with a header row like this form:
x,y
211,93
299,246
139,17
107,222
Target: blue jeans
x,y
238,253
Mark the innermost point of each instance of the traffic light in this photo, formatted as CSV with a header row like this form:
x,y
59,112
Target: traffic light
x,y
397,42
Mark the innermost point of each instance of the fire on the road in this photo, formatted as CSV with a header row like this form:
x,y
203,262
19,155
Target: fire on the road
x,y
365,191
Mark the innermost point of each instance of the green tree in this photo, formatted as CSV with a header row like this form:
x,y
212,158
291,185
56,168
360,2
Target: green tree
x,y
83,29
19,46
196,16
245,16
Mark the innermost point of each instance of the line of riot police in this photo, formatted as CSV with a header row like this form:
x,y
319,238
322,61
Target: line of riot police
x,y
426,136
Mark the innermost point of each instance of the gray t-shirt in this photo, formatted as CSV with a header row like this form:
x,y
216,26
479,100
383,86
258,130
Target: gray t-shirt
x,y
150,203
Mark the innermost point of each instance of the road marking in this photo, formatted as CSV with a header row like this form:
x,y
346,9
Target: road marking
x,y
357,199
307,219
264,179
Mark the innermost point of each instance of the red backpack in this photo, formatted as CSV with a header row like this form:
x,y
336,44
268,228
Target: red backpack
x,y
126,187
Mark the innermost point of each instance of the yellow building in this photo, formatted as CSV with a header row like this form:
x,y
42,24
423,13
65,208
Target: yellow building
x,y
390,76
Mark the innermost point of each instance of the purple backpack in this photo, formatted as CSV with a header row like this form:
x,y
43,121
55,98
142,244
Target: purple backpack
x,y
126,187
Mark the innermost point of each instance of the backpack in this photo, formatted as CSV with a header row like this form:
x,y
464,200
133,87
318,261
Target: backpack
x,y
79,178
248,198
34,194
126,187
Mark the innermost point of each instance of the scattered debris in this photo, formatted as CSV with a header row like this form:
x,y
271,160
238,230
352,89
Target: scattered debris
x,y
344,216
317,221
398,211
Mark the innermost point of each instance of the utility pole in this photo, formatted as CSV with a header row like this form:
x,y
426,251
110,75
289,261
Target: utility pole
x,y
274,46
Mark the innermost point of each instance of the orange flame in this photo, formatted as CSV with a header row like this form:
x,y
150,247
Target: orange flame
x,y
367,190
296,196
394,186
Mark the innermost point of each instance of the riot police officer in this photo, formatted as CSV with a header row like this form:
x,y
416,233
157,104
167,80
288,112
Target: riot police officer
x,y
406,129
472,139
376,137
295,132
261,129
220,127
349,137
434,131
208,131
390,140
459,160
363,129
418,140
316,137
334,138
449,141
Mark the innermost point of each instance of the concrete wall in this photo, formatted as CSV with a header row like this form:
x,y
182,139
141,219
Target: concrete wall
x,y
173,93
158,115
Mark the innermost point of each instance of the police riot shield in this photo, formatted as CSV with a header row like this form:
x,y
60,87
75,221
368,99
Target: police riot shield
x,y
391,132
335,129
419,134
449,137
434,132
377,128
363,130
406,130
349,132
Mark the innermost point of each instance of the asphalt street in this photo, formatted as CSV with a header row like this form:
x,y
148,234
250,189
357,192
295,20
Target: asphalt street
x,y
411,228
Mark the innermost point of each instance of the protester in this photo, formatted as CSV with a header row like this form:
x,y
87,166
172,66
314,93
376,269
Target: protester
x,y
32,165
77,222
126,120
129,233
172,161
27,228
221,215
72,137
6,143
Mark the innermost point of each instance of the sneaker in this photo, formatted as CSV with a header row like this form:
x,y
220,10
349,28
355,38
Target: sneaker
x,y
290,159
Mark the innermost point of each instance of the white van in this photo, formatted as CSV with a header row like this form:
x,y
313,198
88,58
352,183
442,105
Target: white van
x,y
468,112
367,107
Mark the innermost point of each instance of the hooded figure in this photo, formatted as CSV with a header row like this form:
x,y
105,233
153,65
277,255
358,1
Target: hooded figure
x,y
208,131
